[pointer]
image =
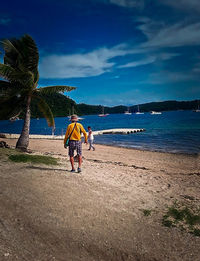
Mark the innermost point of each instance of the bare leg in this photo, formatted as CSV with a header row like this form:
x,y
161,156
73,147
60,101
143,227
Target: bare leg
x,y
72,162
79,161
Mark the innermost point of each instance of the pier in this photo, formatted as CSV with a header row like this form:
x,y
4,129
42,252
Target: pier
x,y
117,131
60,137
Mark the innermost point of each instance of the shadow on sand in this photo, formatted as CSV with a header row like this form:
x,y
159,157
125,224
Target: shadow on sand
x,y
43,168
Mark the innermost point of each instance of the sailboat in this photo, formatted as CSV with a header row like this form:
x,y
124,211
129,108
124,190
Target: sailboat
x,y
198,109
155,112
69,117
127,112
103,114
138,111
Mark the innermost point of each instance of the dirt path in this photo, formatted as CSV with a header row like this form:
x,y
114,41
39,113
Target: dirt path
x,y
48,213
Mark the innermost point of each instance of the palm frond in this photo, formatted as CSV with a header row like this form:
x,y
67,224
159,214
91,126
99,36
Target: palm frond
x,y
22,54
12,75
45,109
12,54
4,85
5,88
36,77
10,107
6,71
9,47
30,53
54,89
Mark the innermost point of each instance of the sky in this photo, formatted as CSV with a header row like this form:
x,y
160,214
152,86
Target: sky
x,y
114,51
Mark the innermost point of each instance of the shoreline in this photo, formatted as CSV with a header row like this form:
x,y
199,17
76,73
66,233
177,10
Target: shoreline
x,y
148,150
54,137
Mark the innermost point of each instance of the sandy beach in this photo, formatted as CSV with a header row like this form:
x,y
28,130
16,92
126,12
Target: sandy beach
x,y
48,213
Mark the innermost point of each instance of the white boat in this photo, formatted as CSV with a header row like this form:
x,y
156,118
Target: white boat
x,y
127,112
103,114
79,118
138,112
155,112
198,109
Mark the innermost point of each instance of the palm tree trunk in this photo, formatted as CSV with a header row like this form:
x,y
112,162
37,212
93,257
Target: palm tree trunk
x,y
23,140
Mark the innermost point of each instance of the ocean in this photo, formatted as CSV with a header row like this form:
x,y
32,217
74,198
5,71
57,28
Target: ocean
x,y
172,131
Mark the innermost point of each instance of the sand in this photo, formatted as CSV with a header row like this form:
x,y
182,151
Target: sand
x,y
48,213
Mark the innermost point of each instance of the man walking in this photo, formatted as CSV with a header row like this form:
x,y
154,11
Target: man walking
x,y
73,133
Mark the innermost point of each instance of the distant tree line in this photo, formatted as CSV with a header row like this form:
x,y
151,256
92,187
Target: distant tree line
x,y
167,106
62,106
146,107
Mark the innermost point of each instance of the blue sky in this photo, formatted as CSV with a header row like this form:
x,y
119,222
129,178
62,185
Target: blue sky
x,y
114,51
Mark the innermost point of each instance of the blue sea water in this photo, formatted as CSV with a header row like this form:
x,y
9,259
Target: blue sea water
x,y
173,131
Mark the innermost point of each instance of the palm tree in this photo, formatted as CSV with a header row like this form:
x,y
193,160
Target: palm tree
x,y
20,84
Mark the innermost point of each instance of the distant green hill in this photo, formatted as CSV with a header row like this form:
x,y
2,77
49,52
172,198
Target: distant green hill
x,y
62,106
167,106
146,107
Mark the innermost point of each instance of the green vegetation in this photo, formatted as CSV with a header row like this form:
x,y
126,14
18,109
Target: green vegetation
x,y
183,217
146,212
20,85
34,159
167,106
62,106
18,156
59,104
5,153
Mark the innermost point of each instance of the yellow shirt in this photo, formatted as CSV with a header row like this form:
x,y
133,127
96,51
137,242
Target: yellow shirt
x,y
76,135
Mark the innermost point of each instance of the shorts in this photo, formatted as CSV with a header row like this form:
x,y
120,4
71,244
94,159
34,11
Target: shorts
x,y
75,145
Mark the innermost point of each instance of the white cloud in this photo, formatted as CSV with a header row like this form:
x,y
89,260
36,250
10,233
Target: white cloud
x,y
146,61
128,3
149,60
88,64
185,5
161,36
94,63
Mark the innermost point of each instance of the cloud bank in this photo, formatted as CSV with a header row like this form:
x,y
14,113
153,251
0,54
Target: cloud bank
x,y
88,64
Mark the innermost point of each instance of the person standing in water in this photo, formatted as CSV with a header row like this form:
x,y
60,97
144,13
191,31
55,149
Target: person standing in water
x,y
90,139
73,132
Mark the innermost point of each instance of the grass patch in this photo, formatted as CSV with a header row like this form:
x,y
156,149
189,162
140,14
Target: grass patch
x,y
33,159
183,217
196,232
146,212
166,222
7,152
